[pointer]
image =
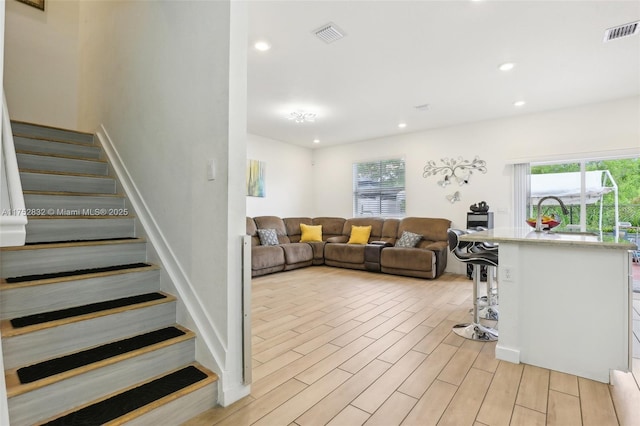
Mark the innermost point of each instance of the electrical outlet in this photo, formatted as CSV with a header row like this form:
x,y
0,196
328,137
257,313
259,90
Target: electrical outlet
x,y
507,273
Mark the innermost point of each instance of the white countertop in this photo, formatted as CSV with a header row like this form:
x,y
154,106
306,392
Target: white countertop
x,y
529,236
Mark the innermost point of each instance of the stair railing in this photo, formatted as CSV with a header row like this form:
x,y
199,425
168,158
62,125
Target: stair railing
x,y
13,215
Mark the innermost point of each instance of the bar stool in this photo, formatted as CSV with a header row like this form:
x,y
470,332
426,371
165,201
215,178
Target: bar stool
x,y
489,309
461,250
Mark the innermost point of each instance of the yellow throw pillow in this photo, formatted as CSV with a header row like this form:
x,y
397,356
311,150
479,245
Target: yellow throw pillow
x,y
310,233
359,234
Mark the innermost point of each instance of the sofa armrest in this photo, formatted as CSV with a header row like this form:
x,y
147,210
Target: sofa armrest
x,y
382,243
340,239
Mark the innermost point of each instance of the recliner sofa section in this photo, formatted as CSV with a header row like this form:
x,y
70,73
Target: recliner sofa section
x,y
428,259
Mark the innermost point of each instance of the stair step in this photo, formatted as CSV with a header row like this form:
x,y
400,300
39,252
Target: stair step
x,y
33,180
45,146
73,388
59,163
44,369
79,228
136,402
27,345
31,129
83,310
40,293
66,201
34,259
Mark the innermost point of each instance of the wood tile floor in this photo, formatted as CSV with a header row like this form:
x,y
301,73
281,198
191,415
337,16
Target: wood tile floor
x,y
339,347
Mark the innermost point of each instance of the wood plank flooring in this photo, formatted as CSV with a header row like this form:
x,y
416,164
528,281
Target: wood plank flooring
x,y
339,347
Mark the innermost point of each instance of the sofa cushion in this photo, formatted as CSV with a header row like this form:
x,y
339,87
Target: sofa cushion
x,y
252,230
310,233
267,257
375,223
408,239
344,253
431,229
407,258
331,226
297,253
268,237
274,222
359,234
292,226
390,231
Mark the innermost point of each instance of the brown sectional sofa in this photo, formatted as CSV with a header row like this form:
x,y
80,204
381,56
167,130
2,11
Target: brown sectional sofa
x,y
427,259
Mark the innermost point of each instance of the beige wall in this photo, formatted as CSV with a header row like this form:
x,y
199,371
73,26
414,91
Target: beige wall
x,y
289,183
41,62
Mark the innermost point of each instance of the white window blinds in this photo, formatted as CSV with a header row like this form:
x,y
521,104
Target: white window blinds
x,y
378,188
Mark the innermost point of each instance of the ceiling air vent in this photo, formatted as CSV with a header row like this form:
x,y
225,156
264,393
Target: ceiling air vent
x,y
622,31
329,33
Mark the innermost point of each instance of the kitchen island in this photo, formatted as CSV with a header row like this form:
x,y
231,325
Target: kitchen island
x,y
565,300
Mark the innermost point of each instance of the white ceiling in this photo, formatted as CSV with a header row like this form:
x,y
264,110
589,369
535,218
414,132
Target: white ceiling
x,y
399,54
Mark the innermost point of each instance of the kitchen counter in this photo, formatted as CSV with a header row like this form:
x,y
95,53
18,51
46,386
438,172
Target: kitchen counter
x,y
565,300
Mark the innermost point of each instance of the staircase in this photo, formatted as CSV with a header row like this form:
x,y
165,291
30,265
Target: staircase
x,y
88,337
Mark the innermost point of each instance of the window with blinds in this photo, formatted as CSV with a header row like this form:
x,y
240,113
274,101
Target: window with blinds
x,y
378,188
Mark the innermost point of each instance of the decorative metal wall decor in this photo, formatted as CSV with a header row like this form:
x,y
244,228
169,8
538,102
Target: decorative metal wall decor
x,y
454,197
454,169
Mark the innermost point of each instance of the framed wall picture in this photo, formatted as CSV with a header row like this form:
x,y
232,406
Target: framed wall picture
x,y
256,178
39,4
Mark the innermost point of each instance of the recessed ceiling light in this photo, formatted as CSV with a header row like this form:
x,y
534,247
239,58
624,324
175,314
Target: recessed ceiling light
x,y
316,141
402,125
507,66
519,103
262,46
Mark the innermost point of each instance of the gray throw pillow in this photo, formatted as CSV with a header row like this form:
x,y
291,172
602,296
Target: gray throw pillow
x,y
268,237
408,239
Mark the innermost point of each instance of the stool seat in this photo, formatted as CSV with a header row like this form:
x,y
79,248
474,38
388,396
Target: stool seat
x,y
474,254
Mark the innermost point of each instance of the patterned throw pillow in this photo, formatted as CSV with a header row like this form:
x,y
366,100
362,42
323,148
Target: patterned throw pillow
x,y
408,239
268,237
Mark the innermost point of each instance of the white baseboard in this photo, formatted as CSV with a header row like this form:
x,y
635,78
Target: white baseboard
x,y
507,354
204,328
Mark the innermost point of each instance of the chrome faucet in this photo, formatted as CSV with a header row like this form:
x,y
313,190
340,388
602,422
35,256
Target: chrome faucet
x,y
539,219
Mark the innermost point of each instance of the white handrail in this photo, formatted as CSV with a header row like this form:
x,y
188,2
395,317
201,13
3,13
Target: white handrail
x,y
13,218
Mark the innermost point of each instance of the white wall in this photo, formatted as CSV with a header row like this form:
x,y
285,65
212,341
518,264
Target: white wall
x,y
42,63
592,130
289,182
161,78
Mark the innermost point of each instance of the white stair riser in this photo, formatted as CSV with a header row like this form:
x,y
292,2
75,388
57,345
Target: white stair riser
x,y
47,401
182,409
67,183
17,263
53,342
57,164
49,147
47,132
21,301
72,202
48,230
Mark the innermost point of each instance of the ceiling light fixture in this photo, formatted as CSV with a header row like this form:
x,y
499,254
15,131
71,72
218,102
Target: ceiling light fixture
x,y
316,141
301,116
519,103
402,125
507,66
262,46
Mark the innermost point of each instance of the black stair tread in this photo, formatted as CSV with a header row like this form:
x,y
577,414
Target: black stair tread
x,y
69,362
38,277
43,317
131,400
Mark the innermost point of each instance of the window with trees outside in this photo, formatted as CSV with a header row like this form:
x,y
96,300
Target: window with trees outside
x,y
378,188
591,209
